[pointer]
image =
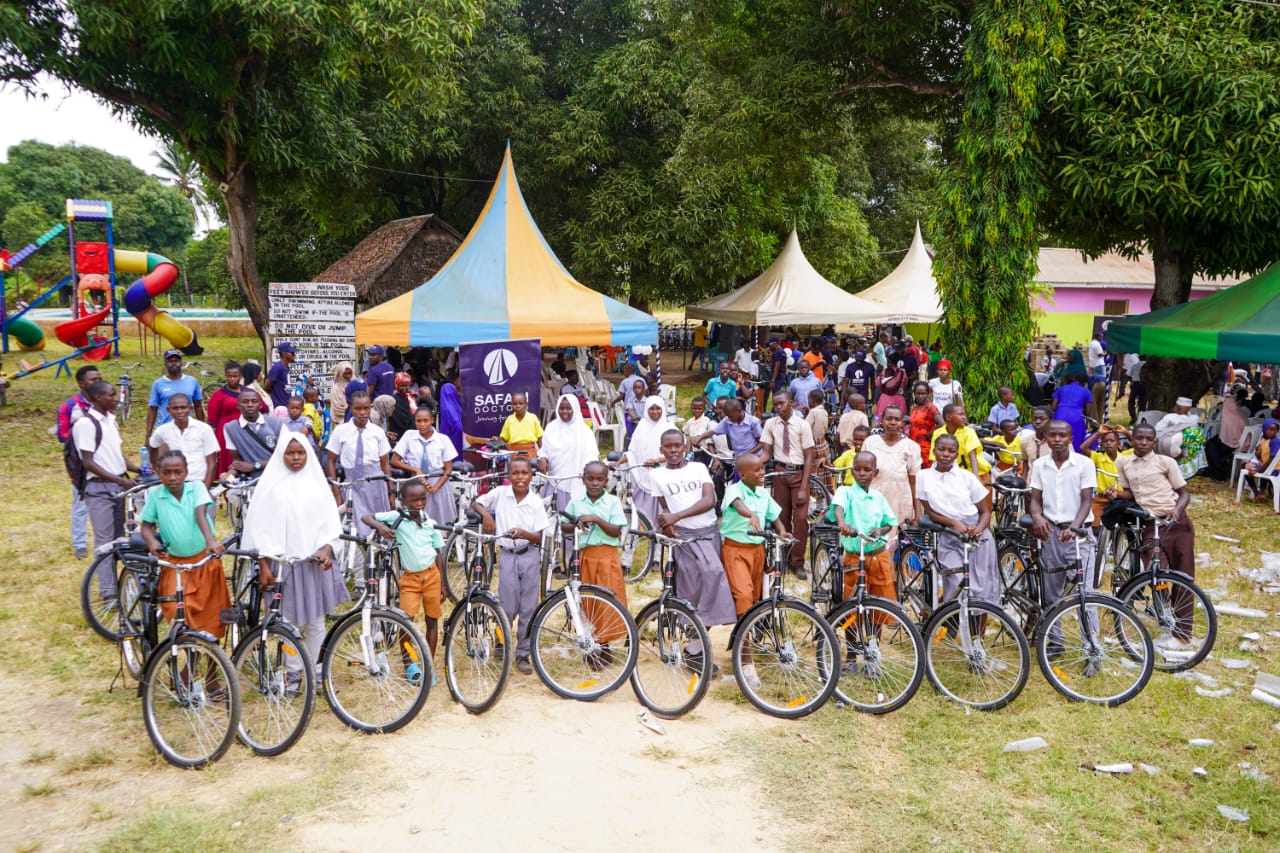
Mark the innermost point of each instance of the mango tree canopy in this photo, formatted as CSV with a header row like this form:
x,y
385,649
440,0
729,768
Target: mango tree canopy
x,y
503,283
910,293
1241,323
790,291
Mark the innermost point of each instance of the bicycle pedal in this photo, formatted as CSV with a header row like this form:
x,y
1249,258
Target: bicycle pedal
x,y
231,615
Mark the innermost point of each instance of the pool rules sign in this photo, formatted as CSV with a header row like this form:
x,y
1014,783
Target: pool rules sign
x,y
319,319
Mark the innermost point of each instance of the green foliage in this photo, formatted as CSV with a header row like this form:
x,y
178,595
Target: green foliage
x,y
206,268
988,232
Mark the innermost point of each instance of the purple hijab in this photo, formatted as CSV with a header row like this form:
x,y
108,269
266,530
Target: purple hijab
x,y
449,421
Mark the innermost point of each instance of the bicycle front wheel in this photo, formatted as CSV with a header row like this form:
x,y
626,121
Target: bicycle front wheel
x,y
1081,653
913,576
368,677
819,498
478,651
827,567
794,655
102,613
883,655
132,626
674,666
454,571
637,552
585,665
190,701
985,665
1180,618
277,690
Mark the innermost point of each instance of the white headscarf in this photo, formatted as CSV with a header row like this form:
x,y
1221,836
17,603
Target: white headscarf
x,y
291,513
646,441
568,446
338,390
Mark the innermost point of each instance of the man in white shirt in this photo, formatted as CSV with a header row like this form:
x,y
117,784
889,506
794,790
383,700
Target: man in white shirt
x,y
957,499
1062,485
97,438
364,451
1095,357
742,358
194,439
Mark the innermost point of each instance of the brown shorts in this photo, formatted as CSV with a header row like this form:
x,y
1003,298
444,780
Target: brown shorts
x,y
420,589
744,567
879,575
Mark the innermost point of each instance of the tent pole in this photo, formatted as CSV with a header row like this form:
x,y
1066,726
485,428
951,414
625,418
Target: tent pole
x,y
657,361
688,350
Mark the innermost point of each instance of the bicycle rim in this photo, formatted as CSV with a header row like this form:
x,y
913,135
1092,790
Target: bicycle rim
x,y
827,572
277,691
668,679
102,614
883,656
478,655
589,665
819,498
1083,658
913,583
133,645
636,551
367,679
987,672
1172,607
795,656
455,574
190,702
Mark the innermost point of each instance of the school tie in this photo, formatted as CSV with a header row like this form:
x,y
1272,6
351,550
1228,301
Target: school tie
x,y
359,448
422,453
786,440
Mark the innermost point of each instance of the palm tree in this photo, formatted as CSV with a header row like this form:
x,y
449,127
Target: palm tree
x,y
177,165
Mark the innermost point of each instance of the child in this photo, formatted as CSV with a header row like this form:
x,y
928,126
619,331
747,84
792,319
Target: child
x,y
1004,410
845,460
635,406
428,453
179,510
855,416
291,516
697,424
519,516
1268,447
362,448
957,499
311,409
818,419
1104,460
1007,445
862,511
521,431
600,517
296,420
955,423
417,542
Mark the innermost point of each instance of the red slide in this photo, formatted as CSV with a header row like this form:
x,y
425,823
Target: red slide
x,y
75,333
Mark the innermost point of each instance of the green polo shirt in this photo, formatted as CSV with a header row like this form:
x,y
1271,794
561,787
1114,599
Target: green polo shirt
x,y
418,541
608,507
735,526
175,518
864,509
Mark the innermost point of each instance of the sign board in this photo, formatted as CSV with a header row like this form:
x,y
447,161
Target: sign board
x,y
319,319
491,371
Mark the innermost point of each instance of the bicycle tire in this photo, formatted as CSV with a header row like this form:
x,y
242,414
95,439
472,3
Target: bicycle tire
x,y
968,676
912,576
135,650
189,724
883,655
1086,667
819,498
273,715
1155,608
102,615
636,552
666,679
795,655
585,668
123,404
378,697
455,573
478,653
827,571
1124,545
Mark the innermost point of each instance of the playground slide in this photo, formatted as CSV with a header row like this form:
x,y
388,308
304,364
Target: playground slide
x,y
76,333
159,275
26,333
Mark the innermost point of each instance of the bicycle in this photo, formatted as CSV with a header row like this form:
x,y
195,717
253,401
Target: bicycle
x,y
1168,602
819,496
478,652
1089,646
668,678
975,654
124,399
792,651
455,570
190,697
352,557
637,557
584,641
915,572
102,612
883,649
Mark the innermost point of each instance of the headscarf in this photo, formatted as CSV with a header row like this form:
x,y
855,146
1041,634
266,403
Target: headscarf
x,y
449,416
338,390
401,420
291,513
646,442
568,446
384,406
249,374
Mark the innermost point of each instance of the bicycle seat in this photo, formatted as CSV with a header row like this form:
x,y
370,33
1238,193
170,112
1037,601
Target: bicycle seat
x,y
473,517
136,542
460,467
1136,512
612,456
1011,481
927,523
1025,522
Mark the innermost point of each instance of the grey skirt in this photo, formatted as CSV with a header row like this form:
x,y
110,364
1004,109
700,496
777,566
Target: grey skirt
x,y
310,592
700,577
984,576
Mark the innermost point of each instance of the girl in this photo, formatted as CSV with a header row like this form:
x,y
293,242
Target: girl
x,y
1268,448
646,449
292,515
450,420
401,421
384,406
342,374
892,386
945,389
427,451
249,374
925,418
567,446
224,407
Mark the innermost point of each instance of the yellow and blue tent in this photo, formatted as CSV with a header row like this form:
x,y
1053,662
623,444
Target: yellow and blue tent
x,y
504,283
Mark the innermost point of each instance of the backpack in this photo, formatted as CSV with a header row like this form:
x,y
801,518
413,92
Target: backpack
x,y
71,456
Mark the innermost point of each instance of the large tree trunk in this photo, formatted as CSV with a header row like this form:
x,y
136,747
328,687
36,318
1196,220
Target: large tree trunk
x,y
241,197
1169,378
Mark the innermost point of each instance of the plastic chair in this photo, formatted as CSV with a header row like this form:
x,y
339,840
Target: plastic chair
x,y
600,424
668,394
1266,472
1244,450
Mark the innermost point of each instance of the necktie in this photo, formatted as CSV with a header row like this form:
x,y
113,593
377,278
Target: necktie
x,y
359,460
786,440
422,453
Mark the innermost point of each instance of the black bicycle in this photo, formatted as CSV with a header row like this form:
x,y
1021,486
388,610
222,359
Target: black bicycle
x,y
99,602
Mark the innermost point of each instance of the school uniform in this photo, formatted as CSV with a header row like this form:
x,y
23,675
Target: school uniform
x,y
428,455
253,441
106,514
522,434
519,561
360,452
600,560
742,553
1060,489
700,576
418,543
204,590
865,510
1154,480
195,443
789,441
956,494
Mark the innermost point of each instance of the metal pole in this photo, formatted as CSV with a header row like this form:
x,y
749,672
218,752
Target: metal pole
x,y
657,361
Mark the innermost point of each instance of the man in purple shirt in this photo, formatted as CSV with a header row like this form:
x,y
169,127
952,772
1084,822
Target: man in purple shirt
x,y
382,376
277,383
71,409
740,429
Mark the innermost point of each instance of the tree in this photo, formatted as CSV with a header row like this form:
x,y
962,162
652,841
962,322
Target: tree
x,y
252,89
206,266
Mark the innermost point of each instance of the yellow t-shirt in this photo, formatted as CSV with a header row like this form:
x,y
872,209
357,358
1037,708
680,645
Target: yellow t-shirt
x,y
845,460
516,431
969,441
317,420
1107,466
700,336
1009,457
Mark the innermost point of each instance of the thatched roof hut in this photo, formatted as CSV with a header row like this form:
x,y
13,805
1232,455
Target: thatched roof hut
x,y
395,258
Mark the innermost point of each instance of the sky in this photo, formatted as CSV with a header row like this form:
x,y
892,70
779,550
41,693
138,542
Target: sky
x,y
70,116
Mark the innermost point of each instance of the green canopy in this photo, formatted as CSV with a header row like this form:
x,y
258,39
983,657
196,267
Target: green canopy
x,y
1241,323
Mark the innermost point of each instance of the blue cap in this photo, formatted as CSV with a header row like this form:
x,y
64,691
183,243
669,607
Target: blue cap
x,y
286,347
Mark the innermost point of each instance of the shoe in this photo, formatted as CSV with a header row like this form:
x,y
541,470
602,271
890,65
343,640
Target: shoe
x,y
559,574
1173,644
750,677
413,674
800,573
523,664
81,553
851,666
292,684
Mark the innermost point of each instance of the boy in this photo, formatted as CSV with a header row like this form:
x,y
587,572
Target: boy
x,y
1035,441
1104,460
364,451
311,409
818,420
521,431
1007,445
800,387
741,430
955,423
693,428
845,460
1004,410
855,416
747,507
600,517
518,514
297,421
418,543
956,499
97,438
195,440
862,511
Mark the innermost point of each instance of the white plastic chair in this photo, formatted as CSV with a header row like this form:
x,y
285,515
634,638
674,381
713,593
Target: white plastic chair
x,y
1244,451
1150,416
1266,472
600,424
668,394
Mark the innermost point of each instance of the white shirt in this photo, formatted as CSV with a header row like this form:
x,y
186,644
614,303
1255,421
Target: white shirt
x,y
1130,359
944,394
743,359
108,454
682,488
244,425
508,513
1060,487
342,441
436,451
195,443
1095,357
954,494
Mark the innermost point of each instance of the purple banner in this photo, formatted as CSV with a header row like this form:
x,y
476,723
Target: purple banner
x,y
491,372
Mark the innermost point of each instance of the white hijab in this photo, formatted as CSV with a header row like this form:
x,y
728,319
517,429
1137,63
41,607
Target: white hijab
x,y
291,513
568,445
646,442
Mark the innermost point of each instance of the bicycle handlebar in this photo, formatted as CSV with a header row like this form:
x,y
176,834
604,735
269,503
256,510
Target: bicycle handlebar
x,y
347,484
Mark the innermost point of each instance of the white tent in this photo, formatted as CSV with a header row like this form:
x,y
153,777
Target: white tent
x,y
909,294
790,291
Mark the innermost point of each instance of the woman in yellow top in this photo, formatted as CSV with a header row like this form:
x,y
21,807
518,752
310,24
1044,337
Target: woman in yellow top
x,y
1107,438
521,431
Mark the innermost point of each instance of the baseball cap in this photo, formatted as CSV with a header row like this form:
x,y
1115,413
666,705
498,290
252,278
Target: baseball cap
x,y
375,350
286,347
859,354
172,353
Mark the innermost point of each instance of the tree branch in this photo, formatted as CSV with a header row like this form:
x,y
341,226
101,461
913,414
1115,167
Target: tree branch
x,y
884,77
